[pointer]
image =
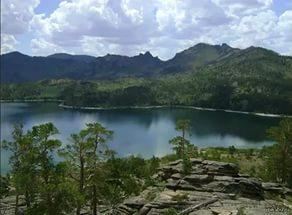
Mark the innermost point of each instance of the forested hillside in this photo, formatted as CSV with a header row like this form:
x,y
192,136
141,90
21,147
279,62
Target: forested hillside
x,y
254,79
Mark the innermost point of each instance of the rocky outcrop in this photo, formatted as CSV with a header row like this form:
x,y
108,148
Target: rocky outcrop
x,y
210,188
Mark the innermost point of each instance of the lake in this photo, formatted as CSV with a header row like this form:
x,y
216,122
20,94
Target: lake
x,y
143,132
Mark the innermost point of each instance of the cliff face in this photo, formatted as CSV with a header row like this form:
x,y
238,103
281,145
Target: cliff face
x,y
211,188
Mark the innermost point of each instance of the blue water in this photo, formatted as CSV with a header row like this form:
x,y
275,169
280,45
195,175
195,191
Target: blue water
x,y
143,132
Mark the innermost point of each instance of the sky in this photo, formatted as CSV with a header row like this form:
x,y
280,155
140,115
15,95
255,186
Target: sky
x,y
130,27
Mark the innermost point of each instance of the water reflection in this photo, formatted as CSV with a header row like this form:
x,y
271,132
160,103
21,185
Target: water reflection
x,y
142,131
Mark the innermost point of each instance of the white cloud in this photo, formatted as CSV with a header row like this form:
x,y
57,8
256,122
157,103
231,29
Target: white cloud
x,y
15,20
46,47
282,34
8,43
285,25
16,15
128,27
239,8
254,29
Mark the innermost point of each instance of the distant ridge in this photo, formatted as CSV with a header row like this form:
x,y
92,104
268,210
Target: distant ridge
x,y
64,56
18,68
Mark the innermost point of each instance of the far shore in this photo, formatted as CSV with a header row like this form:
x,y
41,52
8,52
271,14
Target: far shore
x,y
174,106
144,107
29,100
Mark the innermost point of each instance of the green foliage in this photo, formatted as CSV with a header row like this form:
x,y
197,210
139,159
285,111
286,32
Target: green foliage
x,y
23,164
241,211
180,197
181,145
187,166
232,150
183,126
280,160
127,176
170,211
34,173
4,186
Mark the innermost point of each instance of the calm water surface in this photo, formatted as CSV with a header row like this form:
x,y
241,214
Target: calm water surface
x,y
142,132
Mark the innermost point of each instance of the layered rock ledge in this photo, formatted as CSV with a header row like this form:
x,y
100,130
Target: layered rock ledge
x,y
211,188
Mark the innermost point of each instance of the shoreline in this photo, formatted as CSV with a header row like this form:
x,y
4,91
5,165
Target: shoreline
x,y
146,107
176,106
29,100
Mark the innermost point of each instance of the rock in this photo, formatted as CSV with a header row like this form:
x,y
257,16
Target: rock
x,y
221,168
195,161
177,176
273,187
123,209
168,170
250,187
222,186
174,163
179,185
135,202
144,210
202,212
207,180
234,193
198,179
223,178
224,211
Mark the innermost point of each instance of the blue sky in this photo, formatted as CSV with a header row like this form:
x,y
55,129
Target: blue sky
x,y
280,6
129,27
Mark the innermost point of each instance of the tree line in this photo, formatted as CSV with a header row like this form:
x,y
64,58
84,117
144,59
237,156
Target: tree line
x,y
220,88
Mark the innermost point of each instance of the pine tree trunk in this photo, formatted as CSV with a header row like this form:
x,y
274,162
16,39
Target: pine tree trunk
x,y
78,210
81,185
16,204
94,201
27,199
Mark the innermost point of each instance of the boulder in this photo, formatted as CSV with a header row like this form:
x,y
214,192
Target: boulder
x,y
221,168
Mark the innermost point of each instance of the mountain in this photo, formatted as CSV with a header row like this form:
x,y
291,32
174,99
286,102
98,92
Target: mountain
x,y
19,68
197,56
81,58
117,66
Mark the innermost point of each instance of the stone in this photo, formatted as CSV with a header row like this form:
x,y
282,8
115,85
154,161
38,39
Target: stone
x,y
202,212
207,180
176,176
250,187
198,179
224,211
195,161
223,178
136,202
221,168
273,187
